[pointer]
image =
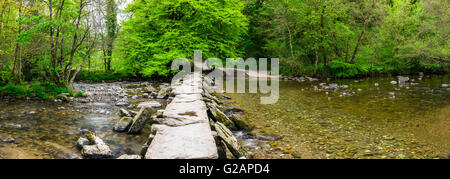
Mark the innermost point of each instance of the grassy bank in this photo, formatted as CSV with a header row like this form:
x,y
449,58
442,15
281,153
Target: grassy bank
x,y
43,90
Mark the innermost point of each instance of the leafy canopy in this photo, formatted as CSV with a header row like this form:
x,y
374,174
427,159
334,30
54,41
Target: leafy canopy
x,y
163,30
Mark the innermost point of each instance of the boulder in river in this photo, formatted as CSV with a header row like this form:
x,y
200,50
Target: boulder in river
x,y
82,142
150,89
140,120
124,113
7,140
63,97
163,92
98,149
241,124
123,124
232,144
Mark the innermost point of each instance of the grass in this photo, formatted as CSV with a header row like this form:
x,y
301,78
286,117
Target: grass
x,y
38,89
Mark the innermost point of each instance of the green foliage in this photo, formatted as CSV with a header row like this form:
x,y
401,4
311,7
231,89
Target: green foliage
x,y
340,38
341,69
80,93
161,31
14,90
354,37
102,76
4,75
35,88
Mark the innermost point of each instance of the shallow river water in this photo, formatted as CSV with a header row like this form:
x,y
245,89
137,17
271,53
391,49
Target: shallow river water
x,y
368,118
48,129
371,118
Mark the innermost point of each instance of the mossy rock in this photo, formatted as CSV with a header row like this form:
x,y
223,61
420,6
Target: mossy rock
x,y
63,97
240,123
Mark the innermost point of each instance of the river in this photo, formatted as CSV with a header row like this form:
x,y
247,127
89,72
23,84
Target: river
x,y
364,118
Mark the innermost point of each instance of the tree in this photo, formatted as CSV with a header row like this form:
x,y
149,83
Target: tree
x,y
163,30
111,30
67,19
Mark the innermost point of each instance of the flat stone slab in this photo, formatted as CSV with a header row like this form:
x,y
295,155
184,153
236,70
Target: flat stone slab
x,y
193,141
185,113
187,89
183,98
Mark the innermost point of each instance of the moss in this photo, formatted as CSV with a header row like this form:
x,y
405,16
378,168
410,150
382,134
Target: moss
x,y
243,124
90,136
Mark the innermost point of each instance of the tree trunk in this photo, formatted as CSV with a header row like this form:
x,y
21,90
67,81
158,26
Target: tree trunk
x,y
111,27
17,65
316,61
290,42
352,60
89,67
322,25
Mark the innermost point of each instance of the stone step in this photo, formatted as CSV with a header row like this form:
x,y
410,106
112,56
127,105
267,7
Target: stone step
x,y
194,141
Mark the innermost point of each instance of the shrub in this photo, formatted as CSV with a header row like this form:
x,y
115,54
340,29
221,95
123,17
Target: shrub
x,y
340,69
41,90
14,90
101,76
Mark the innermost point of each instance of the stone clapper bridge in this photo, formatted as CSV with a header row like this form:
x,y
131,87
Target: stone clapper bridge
x,y
185,129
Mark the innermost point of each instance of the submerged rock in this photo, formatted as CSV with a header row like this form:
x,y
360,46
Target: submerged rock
x,y
241,124
123,124
12,125
225,97
7,140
